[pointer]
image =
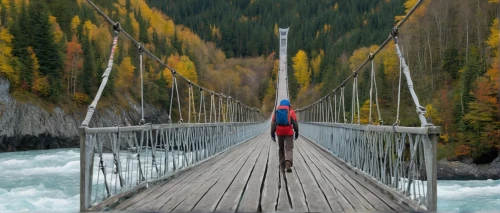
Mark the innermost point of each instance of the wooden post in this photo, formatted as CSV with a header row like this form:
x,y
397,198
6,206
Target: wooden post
x,y
86,169
83,201
430,150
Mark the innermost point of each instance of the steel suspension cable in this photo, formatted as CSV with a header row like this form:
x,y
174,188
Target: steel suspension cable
x,y
118,30
105,76
412,10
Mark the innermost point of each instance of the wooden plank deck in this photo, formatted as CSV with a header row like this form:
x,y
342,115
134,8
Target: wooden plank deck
x,y
247,179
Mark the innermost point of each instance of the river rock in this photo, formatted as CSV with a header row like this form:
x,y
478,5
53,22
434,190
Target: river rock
x,y
456,170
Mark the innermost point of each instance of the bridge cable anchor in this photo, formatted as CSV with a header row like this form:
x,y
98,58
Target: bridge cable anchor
x,y
117,27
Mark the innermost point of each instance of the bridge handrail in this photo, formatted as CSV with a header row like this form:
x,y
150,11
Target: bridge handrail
x,y
402,160
116,129
152,152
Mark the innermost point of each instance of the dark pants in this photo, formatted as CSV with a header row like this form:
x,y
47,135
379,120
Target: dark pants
x,y
285,153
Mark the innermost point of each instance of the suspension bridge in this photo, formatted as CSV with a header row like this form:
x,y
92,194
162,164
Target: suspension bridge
x,y
222,157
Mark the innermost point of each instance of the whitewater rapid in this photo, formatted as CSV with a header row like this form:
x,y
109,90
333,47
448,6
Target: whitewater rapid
x,y
48,181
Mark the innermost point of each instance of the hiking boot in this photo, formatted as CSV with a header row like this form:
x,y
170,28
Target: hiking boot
x,y
288,166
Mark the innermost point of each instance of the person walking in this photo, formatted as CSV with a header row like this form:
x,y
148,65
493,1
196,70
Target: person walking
x,y
285,126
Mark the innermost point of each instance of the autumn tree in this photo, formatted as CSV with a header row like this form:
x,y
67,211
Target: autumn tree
x,y
73,63
125,74
6,58
75,23
301,69
182,65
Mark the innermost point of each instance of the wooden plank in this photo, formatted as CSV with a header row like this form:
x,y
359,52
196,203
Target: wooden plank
x,y
283,199
250,201
382,202
374,197
295,189
186,199
315,197
157,190
271,184
216,191
234,192
157,201
327,189
341,185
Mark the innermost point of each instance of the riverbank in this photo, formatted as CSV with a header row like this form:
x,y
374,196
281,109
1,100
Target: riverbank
x,y
467,170
25,125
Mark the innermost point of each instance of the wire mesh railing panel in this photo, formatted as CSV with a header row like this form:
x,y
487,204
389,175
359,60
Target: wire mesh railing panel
x,y
119,159
397,157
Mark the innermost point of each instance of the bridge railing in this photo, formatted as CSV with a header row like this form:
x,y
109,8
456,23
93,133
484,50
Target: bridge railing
x,y
120,160
400,161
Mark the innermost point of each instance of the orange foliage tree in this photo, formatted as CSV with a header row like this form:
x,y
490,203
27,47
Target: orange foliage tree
x,y
73,63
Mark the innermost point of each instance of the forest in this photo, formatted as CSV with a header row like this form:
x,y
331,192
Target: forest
x,y
54,53
450,46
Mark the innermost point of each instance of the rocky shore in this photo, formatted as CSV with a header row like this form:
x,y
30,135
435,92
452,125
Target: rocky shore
x,y
26,126
466,170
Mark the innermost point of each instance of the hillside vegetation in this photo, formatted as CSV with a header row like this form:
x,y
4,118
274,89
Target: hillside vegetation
x,y
54,53
450,46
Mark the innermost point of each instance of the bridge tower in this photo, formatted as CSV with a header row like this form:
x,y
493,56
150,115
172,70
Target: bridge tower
x,y
282,75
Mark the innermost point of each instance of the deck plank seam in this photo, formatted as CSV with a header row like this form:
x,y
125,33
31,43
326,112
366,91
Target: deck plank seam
x,y
314,176
220,197
333,176
350,179
249,176
223,163
259,208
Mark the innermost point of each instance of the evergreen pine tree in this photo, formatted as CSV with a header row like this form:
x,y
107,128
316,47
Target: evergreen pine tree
x,y
89,68
46,50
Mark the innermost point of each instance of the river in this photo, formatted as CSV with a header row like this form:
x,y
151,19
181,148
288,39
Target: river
x,y
48,181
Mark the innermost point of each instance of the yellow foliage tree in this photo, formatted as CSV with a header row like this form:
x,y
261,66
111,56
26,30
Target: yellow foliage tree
x,y
360,55
301,69
125,74
41,86
493,72
493,39
183,66
89,28
276,67
57,32
419,12
433,114
215,32
75,22
336,6
135,25
6,55
316,62
390,61
36,65
364,112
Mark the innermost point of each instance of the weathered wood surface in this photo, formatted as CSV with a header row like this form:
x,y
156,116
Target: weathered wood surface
x,y
247,178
